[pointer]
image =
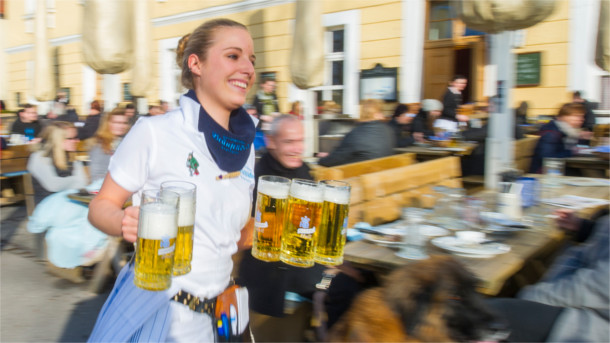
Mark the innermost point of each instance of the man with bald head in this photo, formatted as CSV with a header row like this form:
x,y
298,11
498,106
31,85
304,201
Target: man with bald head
x,y
268,282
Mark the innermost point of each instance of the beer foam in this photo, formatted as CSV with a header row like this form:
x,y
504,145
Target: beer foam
x,y
338,196
157,221
306,192
274,189
186,211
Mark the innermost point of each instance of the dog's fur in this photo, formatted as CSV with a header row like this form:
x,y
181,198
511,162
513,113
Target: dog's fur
x,y
429,301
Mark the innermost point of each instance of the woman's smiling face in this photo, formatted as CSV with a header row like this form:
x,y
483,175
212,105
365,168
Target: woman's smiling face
x,y
227,73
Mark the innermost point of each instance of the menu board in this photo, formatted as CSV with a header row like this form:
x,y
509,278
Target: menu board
x,y
528,69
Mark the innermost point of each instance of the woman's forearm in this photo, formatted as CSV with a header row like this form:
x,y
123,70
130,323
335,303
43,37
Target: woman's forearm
x,y
106,216
106,211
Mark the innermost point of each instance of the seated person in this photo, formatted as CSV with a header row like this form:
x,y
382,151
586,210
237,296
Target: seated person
x,y
112,129
423,124
268,282
61,111
27,123
372,138
401,124
71,240
92,122
558,138
572,302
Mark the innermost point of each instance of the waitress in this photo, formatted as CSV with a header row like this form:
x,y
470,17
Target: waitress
x,y
189,144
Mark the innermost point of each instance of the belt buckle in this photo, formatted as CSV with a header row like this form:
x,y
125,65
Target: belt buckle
x,y
193,303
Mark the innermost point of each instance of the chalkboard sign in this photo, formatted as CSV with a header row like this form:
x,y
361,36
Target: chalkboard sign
x,y
378,83
528,69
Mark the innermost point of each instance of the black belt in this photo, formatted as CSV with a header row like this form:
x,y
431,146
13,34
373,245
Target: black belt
x,y
195,303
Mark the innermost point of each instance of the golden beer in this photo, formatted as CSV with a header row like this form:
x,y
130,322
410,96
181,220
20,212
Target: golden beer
x,y
157,229
186,222
184,250
302,217
269,217
332,233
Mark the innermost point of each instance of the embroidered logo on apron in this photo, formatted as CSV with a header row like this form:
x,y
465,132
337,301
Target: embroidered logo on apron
x,y
192,164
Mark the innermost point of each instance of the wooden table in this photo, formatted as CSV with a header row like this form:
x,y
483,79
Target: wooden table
x,y
589,165
526,245
17,182
430,153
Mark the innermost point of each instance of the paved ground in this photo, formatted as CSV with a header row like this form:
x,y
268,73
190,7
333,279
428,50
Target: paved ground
x,y
36,306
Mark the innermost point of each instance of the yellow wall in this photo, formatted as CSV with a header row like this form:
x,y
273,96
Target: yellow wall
x,y
551,38
271,29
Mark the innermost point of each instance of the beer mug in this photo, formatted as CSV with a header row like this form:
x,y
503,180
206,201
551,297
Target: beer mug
x,y
303,214
269,217
186,222
332,233
157,230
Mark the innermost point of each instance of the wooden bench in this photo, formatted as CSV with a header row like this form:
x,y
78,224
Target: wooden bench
x,y
523,153
350,170
379,196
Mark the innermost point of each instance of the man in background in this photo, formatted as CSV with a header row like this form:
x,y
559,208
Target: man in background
x,y
269,282
452,99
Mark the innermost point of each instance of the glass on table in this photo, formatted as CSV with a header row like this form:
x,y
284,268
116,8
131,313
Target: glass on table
x,y
553,169
414,242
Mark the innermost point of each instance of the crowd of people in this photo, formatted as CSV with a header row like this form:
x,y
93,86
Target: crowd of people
x,y
56,139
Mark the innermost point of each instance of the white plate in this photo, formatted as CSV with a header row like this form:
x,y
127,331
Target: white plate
x,y
462,248
425,230
441,148
385,241
432,231
499,219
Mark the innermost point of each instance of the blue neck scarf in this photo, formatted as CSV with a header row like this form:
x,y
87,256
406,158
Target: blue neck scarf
x,y
230,149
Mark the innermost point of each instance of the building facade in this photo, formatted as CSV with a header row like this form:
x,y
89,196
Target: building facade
x,y
423,39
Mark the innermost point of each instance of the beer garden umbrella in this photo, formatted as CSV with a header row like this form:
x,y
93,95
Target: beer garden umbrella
x,y
107,35
602,51
142,68
307,60
44,85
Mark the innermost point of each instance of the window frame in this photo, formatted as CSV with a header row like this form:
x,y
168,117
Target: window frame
x,y
349,21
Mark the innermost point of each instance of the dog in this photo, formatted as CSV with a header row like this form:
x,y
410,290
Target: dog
x,y
429,301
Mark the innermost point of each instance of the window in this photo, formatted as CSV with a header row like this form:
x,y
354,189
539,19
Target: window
x,y
127,92
440,21
333,80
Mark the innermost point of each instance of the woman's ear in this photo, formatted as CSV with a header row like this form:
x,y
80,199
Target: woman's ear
x,y
194,64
